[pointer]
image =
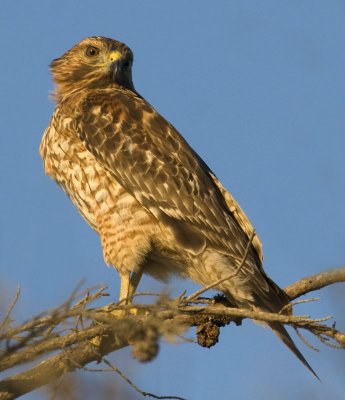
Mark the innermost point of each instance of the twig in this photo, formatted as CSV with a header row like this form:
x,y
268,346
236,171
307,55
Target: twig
x,y
6,319
325,341
295,303
48,318
305,341
91,297
216,283
185,339
140,294
133,385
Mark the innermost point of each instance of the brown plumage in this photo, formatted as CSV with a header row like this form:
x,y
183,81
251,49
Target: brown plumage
x,y
156,205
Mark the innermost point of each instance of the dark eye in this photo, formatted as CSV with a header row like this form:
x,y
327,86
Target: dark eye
x,y
91,51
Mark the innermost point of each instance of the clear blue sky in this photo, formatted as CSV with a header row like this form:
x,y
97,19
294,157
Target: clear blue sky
x,y
258,89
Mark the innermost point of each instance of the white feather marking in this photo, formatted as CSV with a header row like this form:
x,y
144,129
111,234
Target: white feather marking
x,y
101,195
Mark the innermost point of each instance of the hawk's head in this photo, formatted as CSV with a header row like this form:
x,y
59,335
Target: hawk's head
x,y
95,62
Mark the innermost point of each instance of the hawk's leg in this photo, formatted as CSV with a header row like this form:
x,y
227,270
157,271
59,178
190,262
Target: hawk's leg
x,y
129,284
124,286
134,282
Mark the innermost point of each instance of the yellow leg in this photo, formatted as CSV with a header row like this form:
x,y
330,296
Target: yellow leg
x,y
124,287
129,284
134,282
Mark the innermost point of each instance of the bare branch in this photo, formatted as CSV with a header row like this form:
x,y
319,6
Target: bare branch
x,y
80,334
56,366
315,282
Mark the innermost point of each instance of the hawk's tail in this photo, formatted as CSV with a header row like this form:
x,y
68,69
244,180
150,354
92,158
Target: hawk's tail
x,y
274,301
283,335
281,300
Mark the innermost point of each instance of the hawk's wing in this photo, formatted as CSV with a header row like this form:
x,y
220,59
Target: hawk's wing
x,y
152,161
240,217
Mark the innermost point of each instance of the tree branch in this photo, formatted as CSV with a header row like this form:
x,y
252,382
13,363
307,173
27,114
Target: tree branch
x,y
82,334
315,282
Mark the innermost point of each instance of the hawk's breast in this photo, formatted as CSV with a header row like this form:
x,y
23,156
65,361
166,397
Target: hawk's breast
x,y
85,180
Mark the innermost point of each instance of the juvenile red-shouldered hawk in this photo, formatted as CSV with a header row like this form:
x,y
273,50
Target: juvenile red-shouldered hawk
x,y
156,205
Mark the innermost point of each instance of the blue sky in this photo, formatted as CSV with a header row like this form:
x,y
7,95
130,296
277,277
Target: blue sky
x,y
258,89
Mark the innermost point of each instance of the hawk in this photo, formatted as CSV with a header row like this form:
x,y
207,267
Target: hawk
x,y
156,205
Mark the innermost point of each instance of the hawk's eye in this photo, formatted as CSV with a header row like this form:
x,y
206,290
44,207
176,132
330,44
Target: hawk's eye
x,y
91,51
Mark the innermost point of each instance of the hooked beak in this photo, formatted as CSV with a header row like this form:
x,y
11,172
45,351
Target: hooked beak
x,y
115,62
119,67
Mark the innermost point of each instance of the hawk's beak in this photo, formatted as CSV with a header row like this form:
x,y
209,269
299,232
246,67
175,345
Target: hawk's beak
x,y
115,59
